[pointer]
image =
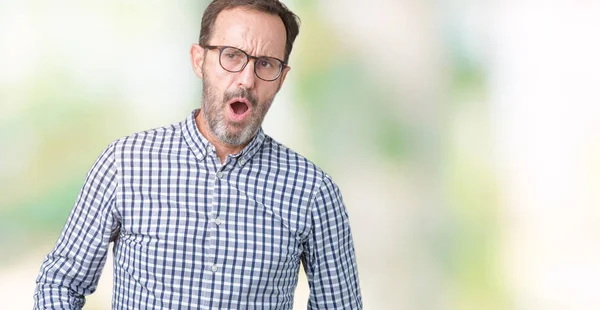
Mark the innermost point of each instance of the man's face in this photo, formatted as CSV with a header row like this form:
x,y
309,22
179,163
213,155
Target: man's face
x,y
235,104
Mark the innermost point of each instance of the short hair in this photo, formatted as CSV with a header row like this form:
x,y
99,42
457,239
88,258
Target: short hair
x,y
290,20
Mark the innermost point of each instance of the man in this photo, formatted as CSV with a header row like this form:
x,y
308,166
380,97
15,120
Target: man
x,y
211,213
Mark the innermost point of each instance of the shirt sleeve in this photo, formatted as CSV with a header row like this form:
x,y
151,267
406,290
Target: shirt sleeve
x,y
329,259
73,267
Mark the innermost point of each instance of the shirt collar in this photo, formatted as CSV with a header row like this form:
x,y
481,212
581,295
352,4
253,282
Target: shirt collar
x,y
200,146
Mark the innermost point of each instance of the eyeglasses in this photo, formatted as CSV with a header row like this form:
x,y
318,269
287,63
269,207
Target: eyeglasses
x,y
235,60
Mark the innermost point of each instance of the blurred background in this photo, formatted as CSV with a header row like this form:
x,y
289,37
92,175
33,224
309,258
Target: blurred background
x,y
464,135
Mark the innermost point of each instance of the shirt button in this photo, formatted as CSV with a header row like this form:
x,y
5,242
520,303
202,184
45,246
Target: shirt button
x,y
219,174
214,268
242,161
218,221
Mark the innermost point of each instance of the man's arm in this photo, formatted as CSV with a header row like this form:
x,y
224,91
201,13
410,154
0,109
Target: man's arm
x,y
73,267
328,259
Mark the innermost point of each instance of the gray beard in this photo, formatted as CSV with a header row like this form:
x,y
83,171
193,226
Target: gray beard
x,y
214,116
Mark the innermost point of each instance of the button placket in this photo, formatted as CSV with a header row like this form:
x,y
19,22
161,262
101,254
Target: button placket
x,y
216,221
212,258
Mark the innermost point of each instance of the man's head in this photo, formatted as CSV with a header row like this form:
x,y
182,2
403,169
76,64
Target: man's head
x,y
242,59
273,7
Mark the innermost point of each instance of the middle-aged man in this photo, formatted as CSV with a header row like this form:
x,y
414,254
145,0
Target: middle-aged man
x,y
211,213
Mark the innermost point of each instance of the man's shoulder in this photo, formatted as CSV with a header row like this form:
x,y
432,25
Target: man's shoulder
x,y
160,137
287,163
286,158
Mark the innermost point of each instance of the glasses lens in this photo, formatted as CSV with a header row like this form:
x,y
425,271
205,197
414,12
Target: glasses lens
x,y
232,59
267,68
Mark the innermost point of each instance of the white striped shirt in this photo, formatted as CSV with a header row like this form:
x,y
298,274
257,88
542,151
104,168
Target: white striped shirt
x,y
190,232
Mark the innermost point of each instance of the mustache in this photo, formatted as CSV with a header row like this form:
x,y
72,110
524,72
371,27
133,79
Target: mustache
x,y
241,93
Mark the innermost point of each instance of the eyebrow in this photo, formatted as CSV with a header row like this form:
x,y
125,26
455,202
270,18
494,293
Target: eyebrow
x,y
241,49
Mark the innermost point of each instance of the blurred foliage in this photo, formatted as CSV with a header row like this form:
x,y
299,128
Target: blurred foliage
x,y
343,105
340,99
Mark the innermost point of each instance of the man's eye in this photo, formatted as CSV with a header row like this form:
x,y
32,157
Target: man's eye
x,y
232,55
265,64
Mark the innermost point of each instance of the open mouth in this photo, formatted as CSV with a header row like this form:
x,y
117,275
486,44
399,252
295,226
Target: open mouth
x,y
239,107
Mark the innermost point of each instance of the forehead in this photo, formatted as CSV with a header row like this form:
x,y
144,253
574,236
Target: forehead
x,y
255,32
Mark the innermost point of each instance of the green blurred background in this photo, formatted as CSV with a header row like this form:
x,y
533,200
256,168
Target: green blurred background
x,y
464,135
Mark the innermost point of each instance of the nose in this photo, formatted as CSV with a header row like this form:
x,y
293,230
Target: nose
x,y
246,77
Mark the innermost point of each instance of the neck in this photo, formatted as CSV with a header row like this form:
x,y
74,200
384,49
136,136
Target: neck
x,y
223,149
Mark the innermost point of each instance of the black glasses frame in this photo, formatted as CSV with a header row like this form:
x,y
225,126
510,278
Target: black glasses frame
x,y
221,48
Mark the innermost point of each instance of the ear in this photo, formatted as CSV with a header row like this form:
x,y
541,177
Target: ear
x,y
197,58
283,75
